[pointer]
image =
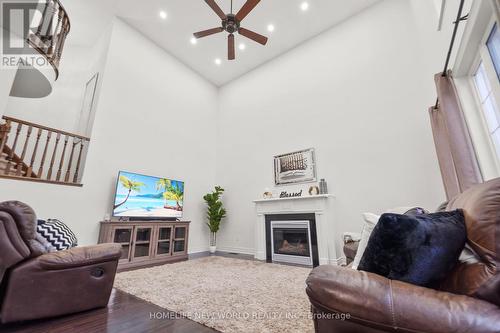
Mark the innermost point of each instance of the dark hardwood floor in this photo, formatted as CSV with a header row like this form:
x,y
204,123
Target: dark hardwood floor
x,y
124,314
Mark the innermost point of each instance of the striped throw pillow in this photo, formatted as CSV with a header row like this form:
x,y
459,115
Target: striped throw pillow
x,y
57,233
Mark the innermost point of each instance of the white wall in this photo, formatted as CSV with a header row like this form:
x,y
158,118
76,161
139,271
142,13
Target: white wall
x,y
437,5
61,109
359,94
6,80
156,117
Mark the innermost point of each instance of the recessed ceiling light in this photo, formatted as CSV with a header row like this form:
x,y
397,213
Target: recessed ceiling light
x,y
163,15
218,62
304,6
194,41
242,46
270,28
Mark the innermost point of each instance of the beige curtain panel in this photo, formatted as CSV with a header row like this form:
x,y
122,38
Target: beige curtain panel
x,y
496,7
456,154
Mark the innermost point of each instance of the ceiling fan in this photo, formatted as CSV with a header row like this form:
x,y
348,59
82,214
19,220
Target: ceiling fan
x,y
231,24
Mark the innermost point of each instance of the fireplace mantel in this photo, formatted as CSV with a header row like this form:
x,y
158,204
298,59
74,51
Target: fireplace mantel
x,y
320,205
310,197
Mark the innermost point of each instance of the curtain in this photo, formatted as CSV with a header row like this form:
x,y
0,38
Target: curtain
x,y
496,7
456,155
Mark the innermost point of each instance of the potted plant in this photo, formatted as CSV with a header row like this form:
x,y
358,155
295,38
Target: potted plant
x,y
215,214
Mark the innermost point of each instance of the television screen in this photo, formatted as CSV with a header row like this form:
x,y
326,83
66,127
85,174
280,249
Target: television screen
x,y
145,196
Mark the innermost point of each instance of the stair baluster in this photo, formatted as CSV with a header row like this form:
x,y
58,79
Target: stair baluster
x,y
53,159
61,162
68,170
23,154
29,173
44,155
14,145
77,170
4,135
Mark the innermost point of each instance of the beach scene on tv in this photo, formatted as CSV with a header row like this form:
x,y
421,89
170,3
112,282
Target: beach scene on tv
x,y
145,196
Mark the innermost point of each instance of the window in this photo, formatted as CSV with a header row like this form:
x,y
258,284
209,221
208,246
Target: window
x,y
488,105
493,45
478,84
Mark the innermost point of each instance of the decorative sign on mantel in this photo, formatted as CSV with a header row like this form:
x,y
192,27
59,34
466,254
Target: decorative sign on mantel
x,y
293,192
285,194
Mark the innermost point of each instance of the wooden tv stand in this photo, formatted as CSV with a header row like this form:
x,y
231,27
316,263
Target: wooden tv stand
x,y
147,243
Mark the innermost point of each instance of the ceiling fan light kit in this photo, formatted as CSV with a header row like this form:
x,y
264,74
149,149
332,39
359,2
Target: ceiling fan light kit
x,y
231,23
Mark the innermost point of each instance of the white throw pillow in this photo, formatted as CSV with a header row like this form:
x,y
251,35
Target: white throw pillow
x,y
370,223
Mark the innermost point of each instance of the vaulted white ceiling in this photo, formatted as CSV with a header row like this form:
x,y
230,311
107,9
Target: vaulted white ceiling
x,y
293,26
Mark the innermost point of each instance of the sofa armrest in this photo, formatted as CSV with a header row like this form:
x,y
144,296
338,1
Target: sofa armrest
x,y
80,256
374,301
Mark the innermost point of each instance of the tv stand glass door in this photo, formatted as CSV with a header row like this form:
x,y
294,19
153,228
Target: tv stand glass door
x,y
164,243
141,245
123,236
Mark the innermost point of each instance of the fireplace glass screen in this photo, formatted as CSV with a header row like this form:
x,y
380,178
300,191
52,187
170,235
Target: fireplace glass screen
x,y
291,241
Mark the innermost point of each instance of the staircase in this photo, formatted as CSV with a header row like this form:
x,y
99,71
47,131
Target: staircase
x,y
50,32
13,166
34,152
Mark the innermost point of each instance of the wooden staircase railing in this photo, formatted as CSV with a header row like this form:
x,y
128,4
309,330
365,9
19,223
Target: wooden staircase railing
x,y
50,33
34,152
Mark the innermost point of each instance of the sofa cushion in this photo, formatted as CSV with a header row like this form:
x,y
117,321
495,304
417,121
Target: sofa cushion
x,y
370,223
80,256
481,206
418,249
26,222
57,233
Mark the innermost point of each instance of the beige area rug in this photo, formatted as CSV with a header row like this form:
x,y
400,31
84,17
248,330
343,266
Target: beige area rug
x,y
229,295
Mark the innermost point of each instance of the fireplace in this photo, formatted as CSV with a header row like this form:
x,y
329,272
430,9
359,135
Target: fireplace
x,y
292,239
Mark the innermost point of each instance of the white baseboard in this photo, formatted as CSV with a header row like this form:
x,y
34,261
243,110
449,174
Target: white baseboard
x,y
234,249
198,250
244,250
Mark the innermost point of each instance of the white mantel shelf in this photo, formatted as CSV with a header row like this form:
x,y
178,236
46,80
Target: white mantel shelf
x,y
319,196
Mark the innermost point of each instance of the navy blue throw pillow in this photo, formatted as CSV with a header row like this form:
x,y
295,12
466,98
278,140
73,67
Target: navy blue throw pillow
x,y
418,249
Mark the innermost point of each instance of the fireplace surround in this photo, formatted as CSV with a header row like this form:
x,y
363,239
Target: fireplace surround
x,y
292,238
319,208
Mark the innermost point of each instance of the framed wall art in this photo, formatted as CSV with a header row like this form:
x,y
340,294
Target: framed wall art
x,y
296,167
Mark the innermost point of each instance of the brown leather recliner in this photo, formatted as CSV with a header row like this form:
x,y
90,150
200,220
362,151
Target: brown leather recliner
x,y
36,284
350,301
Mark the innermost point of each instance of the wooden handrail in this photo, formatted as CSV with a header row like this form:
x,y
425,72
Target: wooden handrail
x,y
21,144
49,40
50,129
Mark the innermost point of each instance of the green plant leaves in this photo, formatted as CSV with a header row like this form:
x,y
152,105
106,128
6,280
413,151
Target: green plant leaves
x,y
215,209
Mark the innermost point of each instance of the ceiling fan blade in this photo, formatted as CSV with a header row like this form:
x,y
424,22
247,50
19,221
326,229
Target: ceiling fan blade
x,y
208,32
253,36
230,47
246,9
215,7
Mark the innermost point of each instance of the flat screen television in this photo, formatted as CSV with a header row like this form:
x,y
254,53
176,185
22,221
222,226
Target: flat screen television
x,y
140,196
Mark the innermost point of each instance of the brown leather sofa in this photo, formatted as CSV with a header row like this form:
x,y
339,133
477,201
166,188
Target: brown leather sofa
x,y
350,301
36,284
